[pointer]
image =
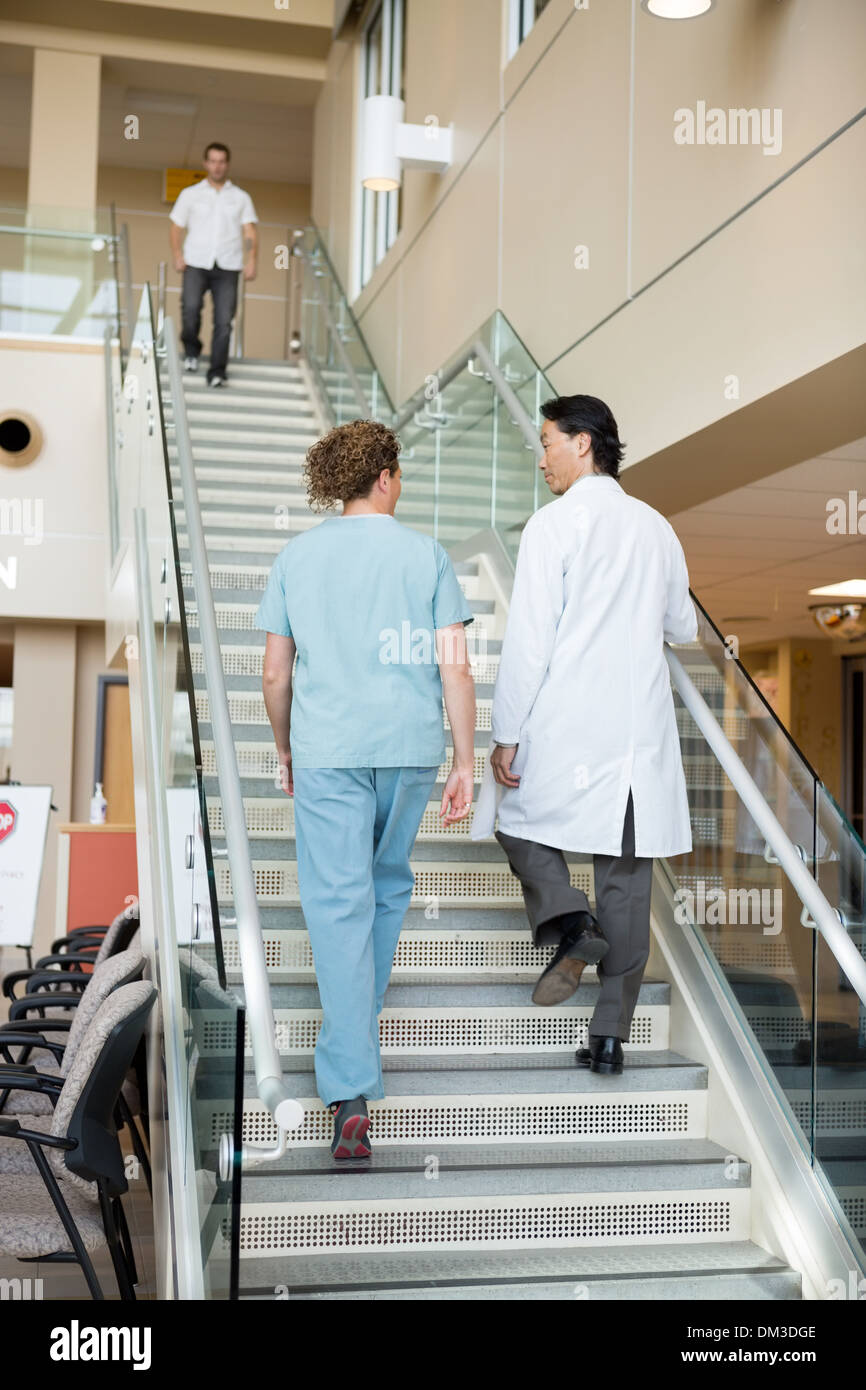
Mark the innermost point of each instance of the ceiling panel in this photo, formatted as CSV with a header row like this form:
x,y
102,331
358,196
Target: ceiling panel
x,y
758,550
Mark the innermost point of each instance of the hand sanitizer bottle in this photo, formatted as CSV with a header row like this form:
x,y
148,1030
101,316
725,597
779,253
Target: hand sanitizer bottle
x,y
98,806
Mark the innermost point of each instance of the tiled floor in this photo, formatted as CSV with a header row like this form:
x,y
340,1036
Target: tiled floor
x,y
66,1281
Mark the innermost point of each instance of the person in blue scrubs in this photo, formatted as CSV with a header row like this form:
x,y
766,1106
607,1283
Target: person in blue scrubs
x,y
376,617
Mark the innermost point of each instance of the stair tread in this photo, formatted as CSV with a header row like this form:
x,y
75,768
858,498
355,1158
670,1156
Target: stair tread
x,y
431,992
416,1267
456,1158
560,1076
375,1181
401,1063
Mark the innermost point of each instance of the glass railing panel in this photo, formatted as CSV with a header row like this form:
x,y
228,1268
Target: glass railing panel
x,y
210,1019
730,886
837,1071
216,1021
333,341
487,468
57,272
449,481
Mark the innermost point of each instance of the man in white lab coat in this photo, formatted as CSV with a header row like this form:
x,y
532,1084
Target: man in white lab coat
x,y
587,755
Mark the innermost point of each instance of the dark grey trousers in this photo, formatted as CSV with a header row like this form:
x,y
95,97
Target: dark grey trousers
x,y
623,889
223,285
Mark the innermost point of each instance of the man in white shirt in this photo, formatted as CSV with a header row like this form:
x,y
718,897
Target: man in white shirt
x,y
587,754
217,216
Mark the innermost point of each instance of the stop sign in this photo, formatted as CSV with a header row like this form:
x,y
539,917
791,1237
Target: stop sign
x,y
8,817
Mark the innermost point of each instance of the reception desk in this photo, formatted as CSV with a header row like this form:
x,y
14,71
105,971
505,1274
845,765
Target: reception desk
x,y
97,874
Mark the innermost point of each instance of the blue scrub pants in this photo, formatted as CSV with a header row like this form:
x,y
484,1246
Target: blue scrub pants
x,y
354,830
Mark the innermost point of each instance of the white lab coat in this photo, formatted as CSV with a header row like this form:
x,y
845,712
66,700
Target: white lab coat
x,y
583,686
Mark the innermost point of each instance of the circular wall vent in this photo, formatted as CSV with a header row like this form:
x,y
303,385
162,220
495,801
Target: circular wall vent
x,y
20,439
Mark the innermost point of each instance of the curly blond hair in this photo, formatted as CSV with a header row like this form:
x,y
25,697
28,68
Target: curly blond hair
x,y
345,463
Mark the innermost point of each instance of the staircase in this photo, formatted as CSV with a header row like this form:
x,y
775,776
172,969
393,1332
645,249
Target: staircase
x,y
500,1170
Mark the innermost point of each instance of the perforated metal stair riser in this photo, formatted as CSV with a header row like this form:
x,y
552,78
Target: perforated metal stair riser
x,y
501,1170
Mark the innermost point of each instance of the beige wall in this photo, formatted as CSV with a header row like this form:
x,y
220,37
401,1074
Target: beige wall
x,y
63,575
815,673
42,740
55,672
64,130
543,164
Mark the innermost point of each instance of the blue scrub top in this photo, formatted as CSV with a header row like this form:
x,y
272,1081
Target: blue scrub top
x,y
362,596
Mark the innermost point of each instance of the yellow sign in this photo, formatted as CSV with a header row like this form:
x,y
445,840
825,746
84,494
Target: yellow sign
x,y
177,179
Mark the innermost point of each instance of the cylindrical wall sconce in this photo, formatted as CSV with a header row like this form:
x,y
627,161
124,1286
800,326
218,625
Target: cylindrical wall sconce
x,y
388,145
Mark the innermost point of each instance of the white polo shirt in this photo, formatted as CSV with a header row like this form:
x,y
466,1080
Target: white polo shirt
x,y
213,218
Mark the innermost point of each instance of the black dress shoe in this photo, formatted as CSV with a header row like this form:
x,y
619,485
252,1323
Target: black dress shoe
x,y
561,977
604,1054
588,940
582,944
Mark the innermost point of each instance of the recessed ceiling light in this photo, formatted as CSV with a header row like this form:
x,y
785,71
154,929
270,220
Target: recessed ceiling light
x,y
677,9
849,588
160,103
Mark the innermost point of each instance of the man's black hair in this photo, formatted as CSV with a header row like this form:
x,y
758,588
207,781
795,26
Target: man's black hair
x,y
589,415
215,145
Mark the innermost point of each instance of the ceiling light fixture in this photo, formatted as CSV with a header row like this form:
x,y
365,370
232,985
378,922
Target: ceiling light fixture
x,y
677,9
849,588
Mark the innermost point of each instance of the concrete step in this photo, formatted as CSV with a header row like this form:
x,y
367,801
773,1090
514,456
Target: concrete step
x,y
470,1031
264,436
463,919
487,957
546,1099
247,707
702,1271
257,764
246,369
453,882
663,1166
473,486
470,997
270,822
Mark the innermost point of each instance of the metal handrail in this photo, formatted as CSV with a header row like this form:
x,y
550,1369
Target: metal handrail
x,y
162,275
288,1113
106,237
240,318
125,257
510,399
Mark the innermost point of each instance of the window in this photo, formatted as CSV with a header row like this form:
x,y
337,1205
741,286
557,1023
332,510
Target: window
x,y
383,76
524,13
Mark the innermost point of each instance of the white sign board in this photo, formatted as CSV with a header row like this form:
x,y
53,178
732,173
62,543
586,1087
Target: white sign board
x,y
23,829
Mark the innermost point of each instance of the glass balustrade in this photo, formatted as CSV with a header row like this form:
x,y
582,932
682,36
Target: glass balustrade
x,y
205,1030
58,273
333,343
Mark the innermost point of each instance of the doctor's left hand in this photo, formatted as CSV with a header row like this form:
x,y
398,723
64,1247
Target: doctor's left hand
x,y
500,760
